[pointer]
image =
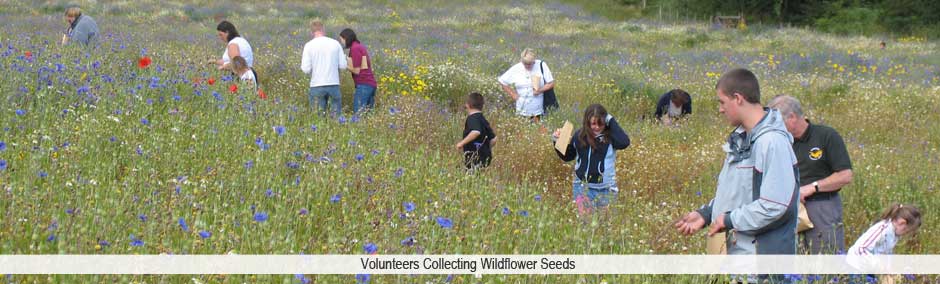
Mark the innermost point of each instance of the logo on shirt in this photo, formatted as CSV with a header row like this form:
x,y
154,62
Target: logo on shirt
x,y
815,153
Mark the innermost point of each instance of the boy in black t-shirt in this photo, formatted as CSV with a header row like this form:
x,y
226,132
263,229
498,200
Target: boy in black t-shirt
x,y
478,136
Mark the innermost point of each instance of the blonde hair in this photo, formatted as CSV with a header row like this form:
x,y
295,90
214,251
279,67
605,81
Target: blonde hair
x,y
239,63
316,25
527,56
73,12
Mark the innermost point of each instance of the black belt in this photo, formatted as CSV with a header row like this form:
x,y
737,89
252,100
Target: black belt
x,y
823,196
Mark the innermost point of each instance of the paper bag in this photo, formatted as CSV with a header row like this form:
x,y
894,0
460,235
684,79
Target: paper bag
x,y
717,244
564,138
536,82
803,222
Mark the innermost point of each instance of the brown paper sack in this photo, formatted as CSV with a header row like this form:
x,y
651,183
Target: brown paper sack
x,y
564,138
536,81
803,222
717,244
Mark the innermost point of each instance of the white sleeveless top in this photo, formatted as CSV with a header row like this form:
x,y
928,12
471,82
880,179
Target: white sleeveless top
x,y
243,48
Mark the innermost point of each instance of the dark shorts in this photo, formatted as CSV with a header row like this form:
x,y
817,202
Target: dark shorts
x,y
828,233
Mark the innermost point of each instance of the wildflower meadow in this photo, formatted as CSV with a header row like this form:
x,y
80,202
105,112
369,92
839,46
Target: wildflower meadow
x,y
136,146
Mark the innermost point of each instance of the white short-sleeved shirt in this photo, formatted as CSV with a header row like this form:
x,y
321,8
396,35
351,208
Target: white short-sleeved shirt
x,y
249,76
528,104
322,58
244,50
674,111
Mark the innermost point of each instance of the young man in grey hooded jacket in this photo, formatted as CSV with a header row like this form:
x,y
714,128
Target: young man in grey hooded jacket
x,y
757,193
81,29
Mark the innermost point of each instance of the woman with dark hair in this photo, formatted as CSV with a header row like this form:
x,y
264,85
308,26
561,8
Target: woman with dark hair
x,y
235,46
673,105
594,146
359,63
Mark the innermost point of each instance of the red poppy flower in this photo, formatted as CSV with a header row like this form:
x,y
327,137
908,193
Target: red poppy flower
x,y
144,62
28,54
261,94
233,88
211,81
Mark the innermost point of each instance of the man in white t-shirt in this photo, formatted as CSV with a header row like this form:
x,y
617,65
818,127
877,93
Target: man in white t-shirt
x,y
530,78
323,57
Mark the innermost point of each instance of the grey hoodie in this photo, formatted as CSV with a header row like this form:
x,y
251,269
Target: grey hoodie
x,y
758,189
84,31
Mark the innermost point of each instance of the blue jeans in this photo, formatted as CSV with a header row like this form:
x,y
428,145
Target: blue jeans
x,y
596,197
321,94
364,97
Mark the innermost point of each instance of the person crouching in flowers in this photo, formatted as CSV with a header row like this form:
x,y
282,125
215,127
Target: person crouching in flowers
x,y
245,73
594,148
478,136
896,221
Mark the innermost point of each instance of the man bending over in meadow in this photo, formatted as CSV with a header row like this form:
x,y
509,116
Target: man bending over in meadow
x,y
757,194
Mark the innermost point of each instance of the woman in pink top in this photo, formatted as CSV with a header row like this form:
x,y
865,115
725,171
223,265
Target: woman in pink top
x,y
360,65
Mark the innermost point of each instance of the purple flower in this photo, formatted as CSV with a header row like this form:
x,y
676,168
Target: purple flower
x,y
506,211
51,238
20,112
293,165
313,128
354,119
249,164
269,192
144,121
205,234
135,242
363,278
445,223
375,152
183,224
3,146
342,119
524,213
303,211
70,211
538,197
409,241
409,206
279,130
3,165
104,243
392,110
303,279
42,174
142,217
399,172
335,198
370,248
261,217
359,157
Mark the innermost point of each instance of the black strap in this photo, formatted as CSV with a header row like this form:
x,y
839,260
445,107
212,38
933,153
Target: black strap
x,y
542,71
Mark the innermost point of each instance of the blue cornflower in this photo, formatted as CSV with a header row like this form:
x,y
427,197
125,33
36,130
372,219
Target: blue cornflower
x,y
142,217
506,211
538,197
293,165
3,146
42,174
20,112
280,130
135,242
363,278
409,241
313,128
359,157
392,110
399,172
354,119
370,248
269,192
183,224
409,206
205,234
249,164
3,165
342,119
303,211
104,243
524,213
144,121
335,198
445,223
261,217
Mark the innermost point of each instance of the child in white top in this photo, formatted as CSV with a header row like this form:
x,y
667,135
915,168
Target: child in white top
x,y
897,221
245,73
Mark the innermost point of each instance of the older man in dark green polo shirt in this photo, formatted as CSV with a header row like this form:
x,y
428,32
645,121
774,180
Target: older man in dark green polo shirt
x,y
825,168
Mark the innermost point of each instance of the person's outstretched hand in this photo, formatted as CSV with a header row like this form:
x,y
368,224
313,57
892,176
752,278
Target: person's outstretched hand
x,y
690,224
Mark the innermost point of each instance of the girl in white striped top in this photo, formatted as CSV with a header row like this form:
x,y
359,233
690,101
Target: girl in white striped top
x,y
898,220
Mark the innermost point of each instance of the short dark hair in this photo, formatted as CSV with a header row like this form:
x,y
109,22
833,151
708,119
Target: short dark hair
x,y
349,36
741,81
680,96
475,100
227,27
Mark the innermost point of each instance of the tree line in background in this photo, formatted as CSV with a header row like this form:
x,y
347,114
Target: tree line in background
x,y
847,17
